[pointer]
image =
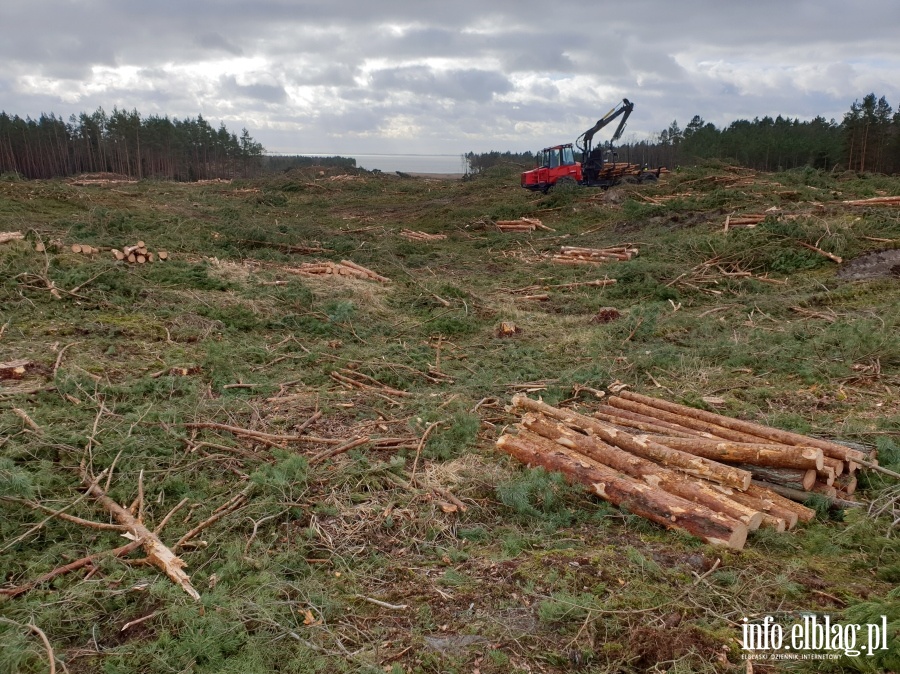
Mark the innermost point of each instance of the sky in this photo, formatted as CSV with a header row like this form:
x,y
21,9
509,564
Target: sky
x,y
449,76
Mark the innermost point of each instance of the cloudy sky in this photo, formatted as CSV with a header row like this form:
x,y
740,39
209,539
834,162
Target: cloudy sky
x,y
448,76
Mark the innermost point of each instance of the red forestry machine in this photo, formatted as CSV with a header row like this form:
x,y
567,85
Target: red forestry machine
x,y
557,164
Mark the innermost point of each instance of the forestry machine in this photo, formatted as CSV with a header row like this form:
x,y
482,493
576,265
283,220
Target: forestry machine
x,y
557,164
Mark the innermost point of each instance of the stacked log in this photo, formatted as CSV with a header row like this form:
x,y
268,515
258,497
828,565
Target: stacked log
x,y
83,249
6,237
412,235
138,254
344,268
521,225
748,220
800,463
875,201
579,255
710,475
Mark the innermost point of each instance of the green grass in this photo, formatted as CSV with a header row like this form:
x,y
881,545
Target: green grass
x,y
533,575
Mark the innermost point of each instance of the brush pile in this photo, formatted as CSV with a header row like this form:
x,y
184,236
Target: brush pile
x,y
412,235
344,268
578,255
712,476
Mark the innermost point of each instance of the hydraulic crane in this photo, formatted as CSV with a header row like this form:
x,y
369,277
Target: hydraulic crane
x,y
558,164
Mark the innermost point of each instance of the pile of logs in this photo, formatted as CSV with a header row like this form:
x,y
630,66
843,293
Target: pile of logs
x,y
137,254
78,248
421,236
712,476
774,456
875,201
344,268
6,237
748,220
578,255
522,225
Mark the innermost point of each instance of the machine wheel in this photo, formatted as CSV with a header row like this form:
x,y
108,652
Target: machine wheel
x,y
566,184
649,178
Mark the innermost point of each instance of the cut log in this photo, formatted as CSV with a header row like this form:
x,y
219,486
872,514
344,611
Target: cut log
x,y
824,489
367,272
76,247
826,475
757,454
694,465
669,428
774,516
836,465
118,254
713,429
635,422
801,496
162,254
638,498
787,477
6,237
674,482
846,483
771,492
831,449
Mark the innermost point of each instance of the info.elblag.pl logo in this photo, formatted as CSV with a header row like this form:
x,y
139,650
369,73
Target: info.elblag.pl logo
x,y
813,636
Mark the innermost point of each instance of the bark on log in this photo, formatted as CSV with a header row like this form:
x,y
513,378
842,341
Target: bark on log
x,y
674,482
836,465
643,426
786,496
757,454
826,475
793,494
694,465
831,449
653,504
774,515
668,428
787,477
824,489
682,420
846,483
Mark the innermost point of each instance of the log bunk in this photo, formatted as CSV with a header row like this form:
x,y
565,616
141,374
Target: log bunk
x,y
712,476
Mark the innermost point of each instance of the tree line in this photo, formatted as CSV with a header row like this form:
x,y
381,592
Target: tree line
x,y
866,139
125,143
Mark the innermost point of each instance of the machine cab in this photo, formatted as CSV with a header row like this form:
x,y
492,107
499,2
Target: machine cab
x,y
553,164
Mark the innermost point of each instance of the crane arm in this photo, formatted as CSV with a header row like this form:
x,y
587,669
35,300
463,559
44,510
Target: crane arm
x,y
623,109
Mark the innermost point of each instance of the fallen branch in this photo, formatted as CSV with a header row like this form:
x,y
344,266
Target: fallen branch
x,y
158,554
340,449
830,256
71,566
221,511
268,438
43,637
